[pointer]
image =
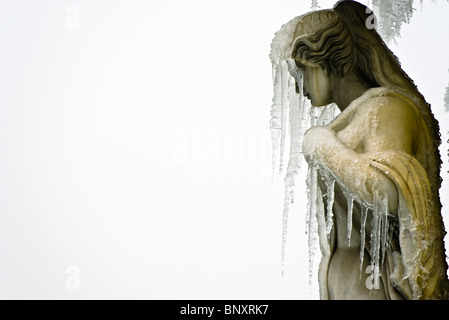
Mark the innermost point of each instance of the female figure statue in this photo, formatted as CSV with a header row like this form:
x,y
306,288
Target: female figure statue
x,y
379,156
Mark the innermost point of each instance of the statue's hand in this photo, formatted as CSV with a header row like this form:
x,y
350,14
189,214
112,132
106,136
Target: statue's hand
x,y
315,139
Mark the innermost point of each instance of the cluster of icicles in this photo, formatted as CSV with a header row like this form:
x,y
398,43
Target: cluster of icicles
x,y
291,116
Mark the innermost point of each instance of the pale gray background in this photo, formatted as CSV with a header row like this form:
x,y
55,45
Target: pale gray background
x,y
134,147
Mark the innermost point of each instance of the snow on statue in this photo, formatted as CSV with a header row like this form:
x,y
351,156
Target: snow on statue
x,y
373,179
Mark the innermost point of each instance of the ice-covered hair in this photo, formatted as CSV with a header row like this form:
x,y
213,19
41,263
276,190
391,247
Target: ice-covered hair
x,y
341,41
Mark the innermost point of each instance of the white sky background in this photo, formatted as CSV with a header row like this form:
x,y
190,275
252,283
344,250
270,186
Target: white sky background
x,y
134,145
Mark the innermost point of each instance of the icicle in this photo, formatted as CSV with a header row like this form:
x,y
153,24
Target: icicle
x,y
350,205
363,235
330,184
287,202
294,158
311,220
295,138
285,76
376,236
384,231
391,15
306,113
324,245
350,201
314,115
327,115
287,105
275,121
293,110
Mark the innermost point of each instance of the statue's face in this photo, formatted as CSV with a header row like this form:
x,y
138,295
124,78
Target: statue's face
x,y
317,86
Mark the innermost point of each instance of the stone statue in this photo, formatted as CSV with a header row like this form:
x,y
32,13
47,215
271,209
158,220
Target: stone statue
x,y
377,163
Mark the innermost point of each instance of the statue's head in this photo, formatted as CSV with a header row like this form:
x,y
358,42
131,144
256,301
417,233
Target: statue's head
x,y
327,38
332,44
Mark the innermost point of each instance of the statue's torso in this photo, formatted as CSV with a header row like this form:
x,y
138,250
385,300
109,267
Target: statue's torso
x,y
346,278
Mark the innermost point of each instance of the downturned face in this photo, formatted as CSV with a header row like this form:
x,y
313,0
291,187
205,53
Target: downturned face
x,y
317,86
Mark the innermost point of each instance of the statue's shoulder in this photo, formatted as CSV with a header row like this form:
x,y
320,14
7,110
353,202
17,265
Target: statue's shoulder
x,y
387,100
392,111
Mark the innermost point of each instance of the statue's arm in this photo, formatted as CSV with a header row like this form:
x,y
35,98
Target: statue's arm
x,y
391,129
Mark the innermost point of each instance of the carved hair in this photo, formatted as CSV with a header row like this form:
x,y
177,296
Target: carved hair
x,y
340,42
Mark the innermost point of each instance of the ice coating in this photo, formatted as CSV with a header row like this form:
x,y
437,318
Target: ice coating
x,y
381,224
364,215
311,216
285,99
294,107
284,110
350,201
275,120
392,15
292,114
330,186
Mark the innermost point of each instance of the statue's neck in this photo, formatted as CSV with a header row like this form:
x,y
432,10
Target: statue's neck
x,y
347,89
